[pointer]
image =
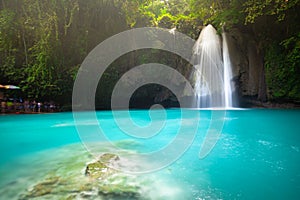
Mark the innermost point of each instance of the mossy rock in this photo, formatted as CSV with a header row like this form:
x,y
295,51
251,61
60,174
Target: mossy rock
x,y
71,197
100,168
86,187
119,191
51,180
111,183
109,158
43,188
102,182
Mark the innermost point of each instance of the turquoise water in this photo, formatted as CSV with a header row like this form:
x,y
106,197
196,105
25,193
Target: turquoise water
x,y
256,157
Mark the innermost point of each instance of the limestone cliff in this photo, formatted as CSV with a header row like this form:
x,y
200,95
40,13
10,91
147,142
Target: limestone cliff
x,y
247,64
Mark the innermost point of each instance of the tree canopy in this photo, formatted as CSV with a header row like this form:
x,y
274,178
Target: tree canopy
x,y
42,43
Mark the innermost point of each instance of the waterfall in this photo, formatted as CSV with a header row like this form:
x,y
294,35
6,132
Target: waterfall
x,y
212,75
227,73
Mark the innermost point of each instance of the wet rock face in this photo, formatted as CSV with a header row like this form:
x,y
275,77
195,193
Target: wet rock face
x,y
247,63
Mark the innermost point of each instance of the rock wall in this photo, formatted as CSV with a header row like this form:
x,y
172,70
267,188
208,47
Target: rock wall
x,y
247,64
247,69
248,74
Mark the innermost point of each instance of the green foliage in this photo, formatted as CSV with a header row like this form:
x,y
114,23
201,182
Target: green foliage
x,y
43,43
218,12
166,14
7,45
278,8
276,27
283,69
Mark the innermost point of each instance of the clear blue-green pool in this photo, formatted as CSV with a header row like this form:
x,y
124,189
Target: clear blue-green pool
x,y
256,157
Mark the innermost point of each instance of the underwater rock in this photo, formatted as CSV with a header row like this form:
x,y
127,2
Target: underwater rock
x,y
113,184
100,182
119,191
100,168
109,157
71,197
43,188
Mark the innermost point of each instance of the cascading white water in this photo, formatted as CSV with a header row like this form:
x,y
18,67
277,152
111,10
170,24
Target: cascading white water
x,y
212,74
227,73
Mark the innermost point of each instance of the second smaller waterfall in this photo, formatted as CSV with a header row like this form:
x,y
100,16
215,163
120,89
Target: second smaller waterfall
x,y
227,74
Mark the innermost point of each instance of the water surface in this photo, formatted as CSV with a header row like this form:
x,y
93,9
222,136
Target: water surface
x,y
256,157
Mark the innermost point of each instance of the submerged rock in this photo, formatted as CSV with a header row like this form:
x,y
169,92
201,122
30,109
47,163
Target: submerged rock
x,y
100,168
100,182
109,157
113,184
43,188
119,191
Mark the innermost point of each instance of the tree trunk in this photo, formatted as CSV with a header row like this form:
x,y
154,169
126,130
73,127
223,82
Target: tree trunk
x,y
25,48
3,4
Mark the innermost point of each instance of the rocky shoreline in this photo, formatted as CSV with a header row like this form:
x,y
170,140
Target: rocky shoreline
x,y
249,102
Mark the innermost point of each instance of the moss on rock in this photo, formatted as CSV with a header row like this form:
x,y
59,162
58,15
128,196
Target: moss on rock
x,y
43,188
101,182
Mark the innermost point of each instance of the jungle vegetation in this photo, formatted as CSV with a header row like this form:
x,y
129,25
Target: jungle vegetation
x,y
43,43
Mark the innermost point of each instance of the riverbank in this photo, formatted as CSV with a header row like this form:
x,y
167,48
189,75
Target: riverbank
x,y
250,102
